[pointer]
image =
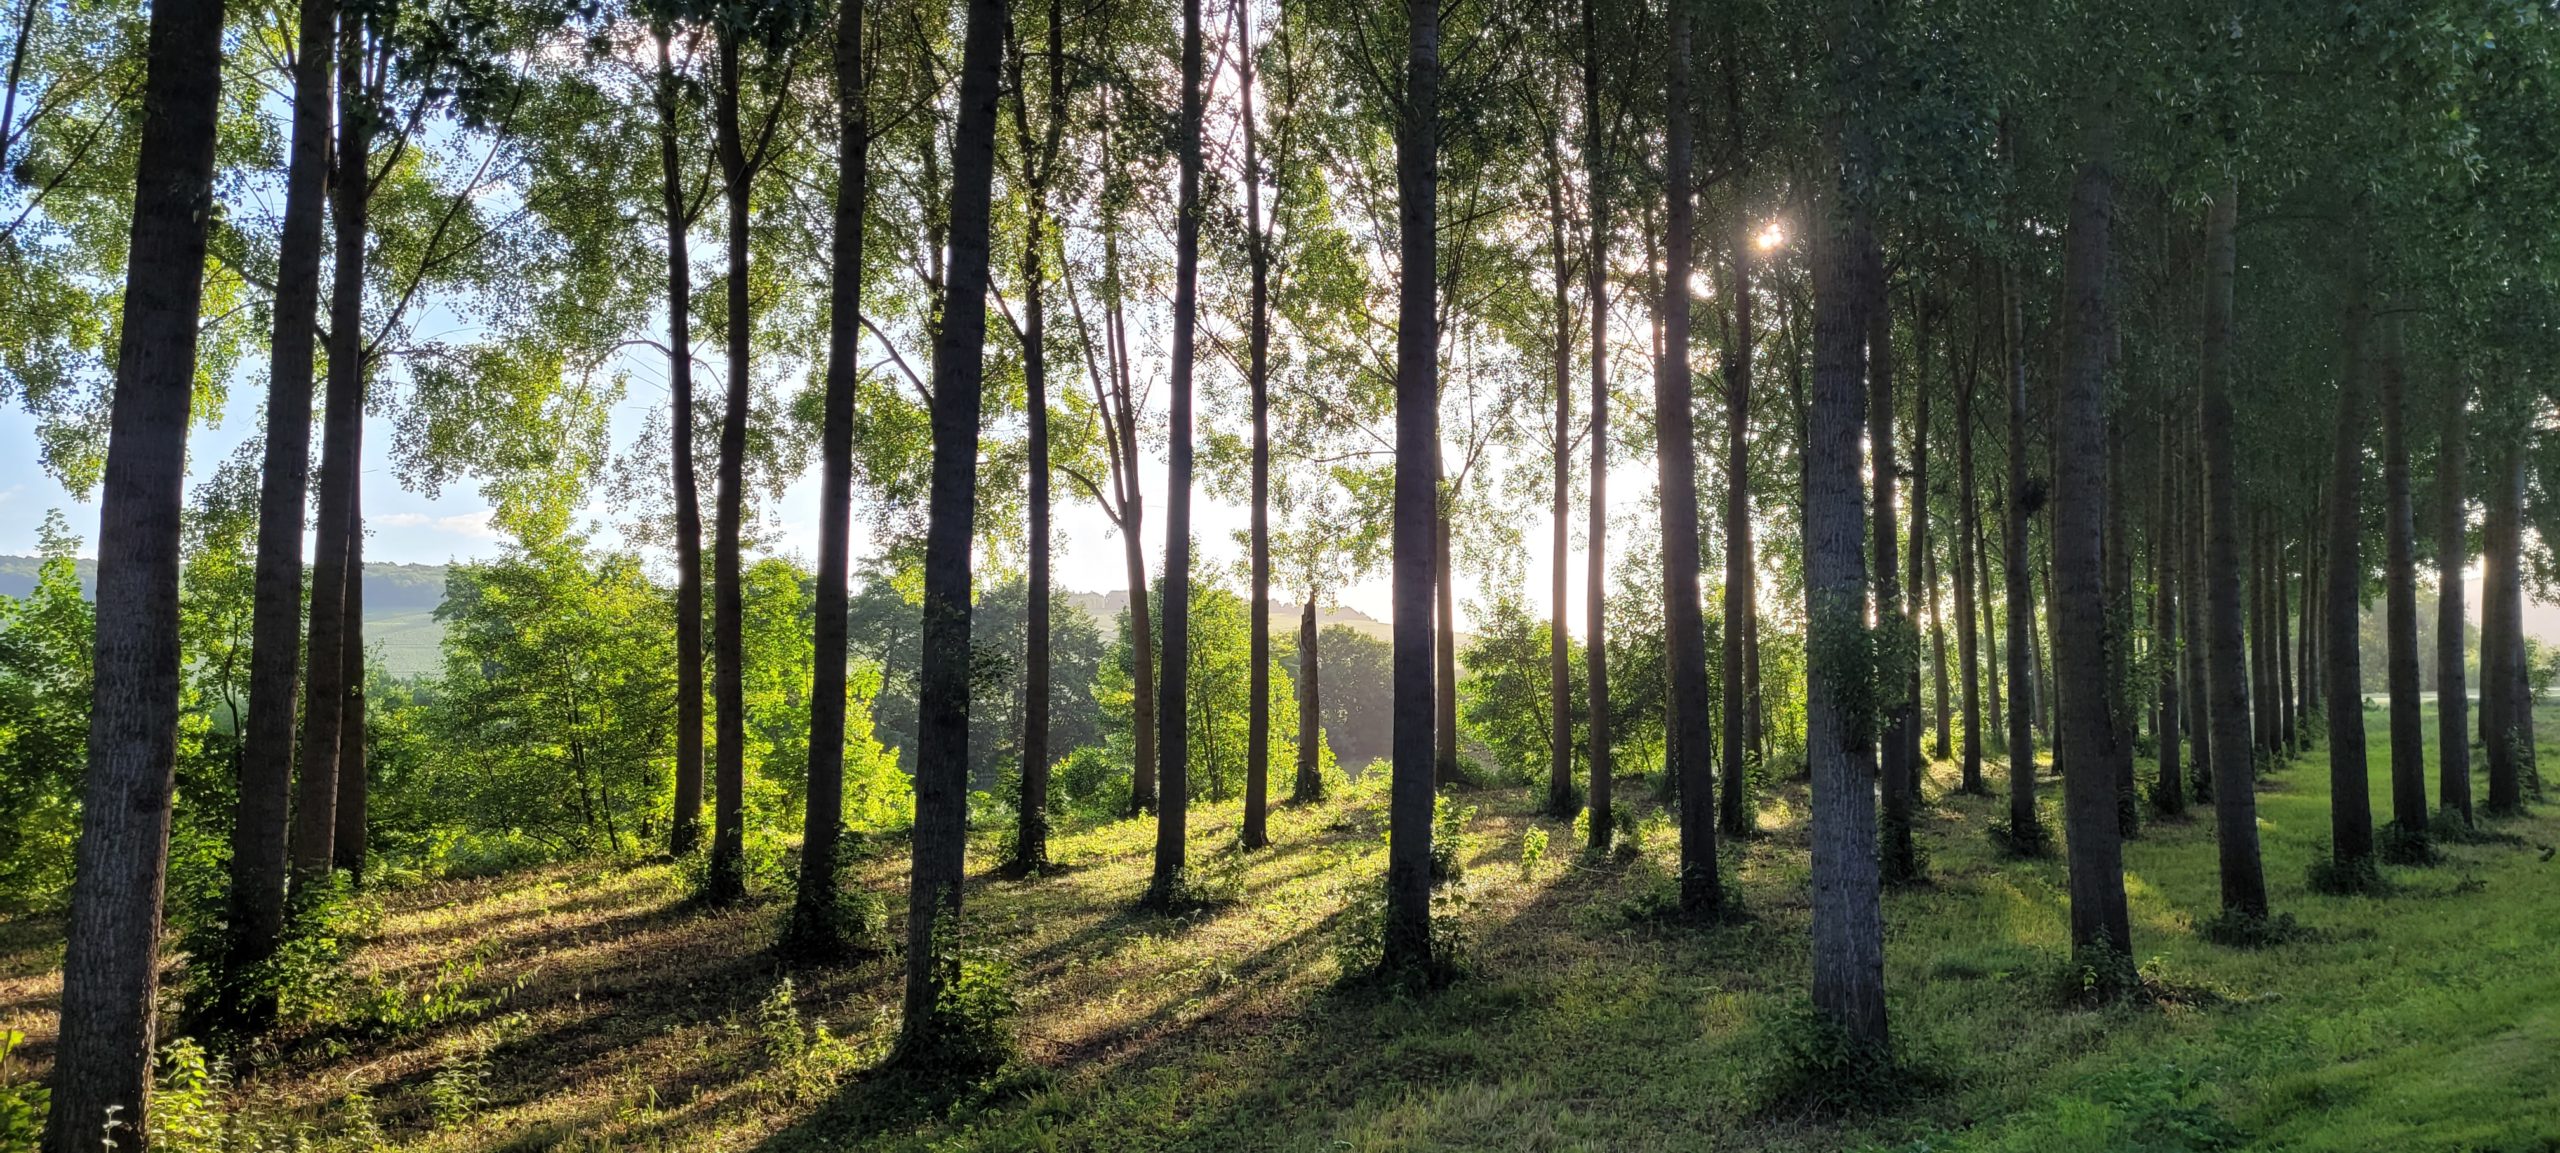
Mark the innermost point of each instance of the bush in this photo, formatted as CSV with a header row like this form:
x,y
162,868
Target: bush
x,y
972,1015
1450,840
305,980
1533,849
2400,846
1090,781
1360,932
1818,1070
2329,875
22,1104
1211,882
2234,929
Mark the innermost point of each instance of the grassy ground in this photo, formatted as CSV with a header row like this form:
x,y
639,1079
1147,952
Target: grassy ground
x,y
589,1007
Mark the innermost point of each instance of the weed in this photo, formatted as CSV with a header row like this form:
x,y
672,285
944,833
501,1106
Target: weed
x,y
2239,929
459,1090
2034,842
22,1104
2401,846
1817,1070
970,1028
1533,849
2327,874
1450,840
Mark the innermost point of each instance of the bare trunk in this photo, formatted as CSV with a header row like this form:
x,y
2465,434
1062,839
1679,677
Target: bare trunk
x,y
1969,628
1173,718
1595,652
2400,596
1676,455
728,606
1258,251
940,840
1895,644
2350,805
2505,706
110,985
685,831
1560,798
2235,788
2026,828
814,921
1310,785
354,776
1407,943
2453,552
258,854
1741,580
2168,590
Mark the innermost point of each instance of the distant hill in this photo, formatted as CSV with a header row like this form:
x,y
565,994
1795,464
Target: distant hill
x,y
399,607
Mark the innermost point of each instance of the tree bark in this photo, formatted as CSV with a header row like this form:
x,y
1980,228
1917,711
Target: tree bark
x,y
685,831
2453,553
1258,373
1595,651
1968,626
2168,590
1741,569
2202,711
1173,743
2026,828
1676,456
1444,636
939,843
2400,595
2117,554
1923,577
2087,749
814,922
2235,787
728,607
324,709
258,853
1840,671
1037,153
2505,705
1310,785
1894,647
1407,943
110,984
2350,805
354,776
1560,798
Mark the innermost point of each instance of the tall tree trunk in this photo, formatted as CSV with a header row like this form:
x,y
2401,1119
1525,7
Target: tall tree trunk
x,y
2306,700
324,709
1560,798
1258,253
2291,724
1676,454
1995,730
257,867
2506,716
1444,636
2168,590
1407,943
354,776
1037,153
815,926
1310,784
728,606
685,831
1895,645
940,840
2453,553
1741,568
2400,596
1133,552
2350,805
1173,712
1968,626
1595,649
111,959
2262,681
2087,751
2026,828
1924,584
1840,736
2201,710
2235,784
2117,554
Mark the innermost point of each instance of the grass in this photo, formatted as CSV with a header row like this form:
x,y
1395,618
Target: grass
x,y
608,1013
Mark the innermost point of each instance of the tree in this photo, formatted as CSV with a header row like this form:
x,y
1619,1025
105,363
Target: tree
x,y
685,831
258,844
1595,160
1407,947
1258,382
814,922
1896,644
111,971
1172,811
2453,552
2235,799
2400,599
2086,750
940,841
1840,665
2350,808
1692,740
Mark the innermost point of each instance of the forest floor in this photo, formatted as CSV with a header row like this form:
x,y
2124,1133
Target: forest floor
x,y
590,1006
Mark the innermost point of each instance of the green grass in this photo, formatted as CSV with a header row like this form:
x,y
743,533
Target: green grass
x,y
619,1017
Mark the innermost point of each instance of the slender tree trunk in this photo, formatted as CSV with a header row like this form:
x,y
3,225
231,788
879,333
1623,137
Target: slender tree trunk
x,y
2088,753
2117,552
2235,788
111,959
1943,748
815,926
2168,591
1595,650
2400,596
2262,682
1124,430
1444,637
2306,700
1968,627
354,776
2026,828
2193,593
1560,798
1896,645
1258,253
1848,915
324,709
685,830
1037,153
940,840
1676,453
1173,711
1994,730
1741,568
1310,785
2505,707
2350,805
1417,501
257,867
2453,553
2291,725
728,606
